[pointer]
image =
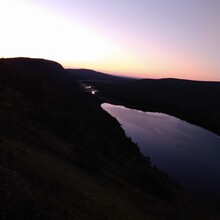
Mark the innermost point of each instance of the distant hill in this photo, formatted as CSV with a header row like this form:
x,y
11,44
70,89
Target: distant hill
x,y
86,74
194,101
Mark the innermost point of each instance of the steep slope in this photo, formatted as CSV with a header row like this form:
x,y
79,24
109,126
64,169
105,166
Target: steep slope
x,y
63,157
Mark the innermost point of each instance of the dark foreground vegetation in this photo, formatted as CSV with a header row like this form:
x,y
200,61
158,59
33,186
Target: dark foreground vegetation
x,y
63,157
197,102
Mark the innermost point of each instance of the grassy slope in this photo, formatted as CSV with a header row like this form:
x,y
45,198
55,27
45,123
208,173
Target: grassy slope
x,y
62,157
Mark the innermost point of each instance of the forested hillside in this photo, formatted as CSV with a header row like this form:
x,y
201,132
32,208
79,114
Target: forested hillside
x,y
63,157
194,101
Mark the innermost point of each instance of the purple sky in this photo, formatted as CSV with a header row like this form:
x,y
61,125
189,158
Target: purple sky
x,y
146,38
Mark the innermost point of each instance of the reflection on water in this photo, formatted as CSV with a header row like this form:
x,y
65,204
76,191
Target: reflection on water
x,y
188,153
93,92
88,88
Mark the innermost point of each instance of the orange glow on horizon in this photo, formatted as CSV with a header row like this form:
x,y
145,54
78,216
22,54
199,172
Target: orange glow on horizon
x,y
155,46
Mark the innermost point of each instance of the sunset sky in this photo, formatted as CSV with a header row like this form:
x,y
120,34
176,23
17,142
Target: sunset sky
x,y
142,38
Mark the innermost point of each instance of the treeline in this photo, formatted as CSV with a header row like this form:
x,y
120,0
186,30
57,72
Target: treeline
x,y
194,101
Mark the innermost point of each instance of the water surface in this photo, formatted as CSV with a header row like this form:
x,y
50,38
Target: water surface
x,y
188,153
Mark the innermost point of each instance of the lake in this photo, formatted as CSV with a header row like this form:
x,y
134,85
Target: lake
x,y
188,153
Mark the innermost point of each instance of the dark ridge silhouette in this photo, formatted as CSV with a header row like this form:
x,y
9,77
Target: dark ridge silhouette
x,y
63,157
86,74
194,101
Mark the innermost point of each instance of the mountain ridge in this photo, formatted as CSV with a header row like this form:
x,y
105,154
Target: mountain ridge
x,y
63,157
194,101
